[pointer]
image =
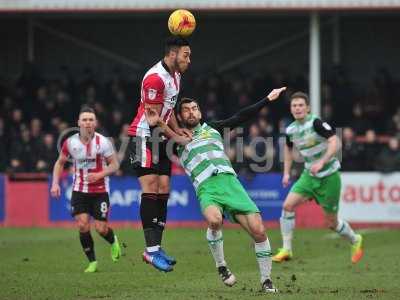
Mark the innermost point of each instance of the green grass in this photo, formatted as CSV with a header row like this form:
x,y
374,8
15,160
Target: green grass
x,y
48,264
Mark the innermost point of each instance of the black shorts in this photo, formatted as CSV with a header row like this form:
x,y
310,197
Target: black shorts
x,y
95,204
147,159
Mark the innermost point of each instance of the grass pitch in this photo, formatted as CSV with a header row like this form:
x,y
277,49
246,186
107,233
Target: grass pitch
x,y
49,263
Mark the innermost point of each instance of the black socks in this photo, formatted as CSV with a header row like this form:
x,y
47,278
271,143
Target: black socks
x,y
109,237
153,212
87,245
149,216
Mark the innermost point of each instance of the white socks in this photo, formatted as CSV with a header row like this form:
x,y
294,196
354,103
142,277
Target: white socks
x,y
287,222
153,248
263,255
216,245
344,229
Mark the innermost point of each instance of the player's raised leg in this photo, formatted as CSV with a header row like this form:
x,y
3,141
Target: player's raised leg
x,y
330,200
83,222
253,224
287,224
344,230
215,241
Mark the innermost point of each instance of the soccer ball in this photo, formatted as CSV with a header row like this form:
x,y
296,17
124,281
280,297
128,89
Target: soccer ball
x,y
181,22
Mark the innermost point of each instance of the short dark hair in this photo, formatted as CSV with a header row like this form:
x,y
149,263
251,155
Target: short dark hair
x,y
87,109
174,43
300,95
184,101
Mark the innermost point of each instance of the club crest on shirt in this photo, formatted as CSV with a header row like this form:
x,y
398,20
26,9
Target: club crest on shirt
x,y
152,93
311,142
204,134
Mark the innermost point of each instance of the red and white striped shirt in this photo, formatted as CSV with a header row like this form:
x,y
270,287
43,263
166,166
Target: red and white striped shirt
x,y
88,158
158,87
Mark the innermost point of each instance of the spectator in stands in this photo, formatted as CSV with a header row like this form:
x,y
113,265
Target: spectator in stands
x,y
46,107
117,121
351,151
212,107
359,123
266,129
47,154
41,98
64,105
235,149
90,96
54,124
388,159
23,153
371,151
36,129
15,123
121,103
256,153
49,111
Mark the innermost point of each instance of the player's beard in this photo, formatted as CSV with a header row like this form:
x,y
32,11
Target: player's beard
x,y
191,123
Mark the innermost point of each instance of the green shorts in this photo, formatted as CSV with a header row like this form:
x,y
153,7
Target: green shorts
x,y
326,190
227,193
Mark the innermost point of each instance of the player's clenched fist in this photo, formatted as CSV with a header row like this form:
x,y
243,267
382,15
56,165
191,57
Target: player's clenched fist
x,y
275,93
55,190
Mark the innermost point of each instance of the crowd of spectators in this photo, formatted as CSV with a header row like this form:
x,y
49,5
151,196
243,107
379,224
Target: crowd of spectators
x,y
35,112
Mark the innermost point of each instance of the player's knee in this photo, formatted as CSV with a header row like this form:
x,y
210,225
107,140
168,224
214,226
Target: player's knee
x,y
215,222
163,188
288,207
215,225
151,186
258,232
83,226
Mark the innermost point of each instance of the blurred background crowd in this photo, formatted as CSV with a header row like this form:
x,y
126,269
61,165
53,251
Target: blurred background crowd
x,y
36,109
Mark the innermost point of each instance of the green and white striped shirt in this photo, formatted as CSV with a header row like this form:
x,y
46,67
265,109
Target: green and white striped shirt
x,y
204,156
309,137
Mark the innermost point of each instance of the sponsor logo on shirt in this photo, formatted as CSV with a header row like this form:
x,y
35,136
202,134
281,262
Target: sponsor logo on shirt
x,y
326,126
152,93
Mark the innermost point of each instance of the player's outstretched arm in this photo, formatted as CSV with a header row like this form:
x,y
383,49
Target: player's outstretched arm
x,y
55,190
247,113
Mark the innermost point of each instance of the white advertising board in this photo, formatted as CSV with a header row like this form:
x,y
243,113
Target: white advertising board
x,y
370,197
